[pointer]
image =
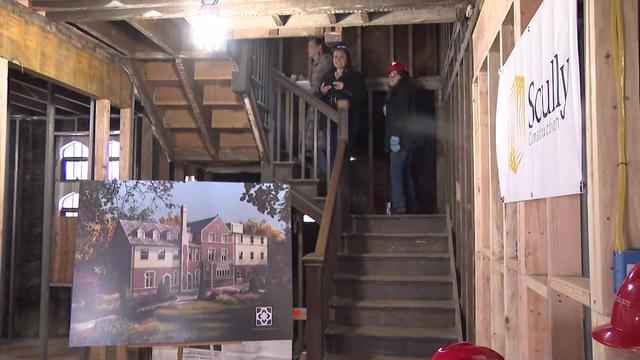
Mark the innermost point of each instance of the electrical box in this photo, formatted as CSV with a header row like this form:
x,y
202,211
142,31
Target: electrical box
x,y
623,262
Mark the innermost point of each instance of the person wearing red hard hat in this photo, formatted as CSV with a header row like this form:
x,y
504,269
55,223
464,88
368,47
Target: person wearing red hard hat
x,y
624,330
400,138
465,351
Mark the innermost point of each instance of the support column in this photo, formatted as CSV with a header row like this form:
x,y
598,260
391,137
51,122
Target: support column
x,y
4,135
126,143
100,151
47,214
101,158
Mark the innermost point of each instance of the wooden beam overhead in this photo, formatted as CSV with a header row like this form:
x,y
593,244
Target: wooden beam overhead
x,y
186,72
333,19
150,109
280,20
112,35
65,31
167,34
364,16
76,11
398,17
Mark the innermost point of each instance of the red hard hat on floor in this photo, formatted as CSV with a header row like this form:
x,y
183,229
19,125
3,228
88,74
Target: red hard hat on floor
x,y
465,351
624,330
395,66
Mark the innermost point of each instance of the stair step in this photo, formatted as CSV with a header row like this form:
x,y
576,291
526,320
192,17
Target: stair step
x,y
387,341
400,313
392,263
393,304
398,223
396,242
390,332
372,357
393,287
395,255
392,278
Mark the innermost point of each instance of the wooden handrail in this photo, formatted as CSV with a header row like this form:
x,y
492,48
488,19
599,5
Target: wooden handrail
x,y
308,97
332,195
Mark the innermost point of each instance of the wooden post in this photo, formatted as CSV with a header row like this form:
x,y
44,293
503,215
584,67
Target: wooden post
x,y
102,122
481,188
126,169
315,315
101,158
146,149
126,143
4,135
495,210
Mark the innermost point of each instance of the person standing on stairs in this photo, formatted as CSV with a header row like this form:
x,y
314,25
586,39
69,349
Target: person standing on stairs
x,y
322,61
400,133
342,83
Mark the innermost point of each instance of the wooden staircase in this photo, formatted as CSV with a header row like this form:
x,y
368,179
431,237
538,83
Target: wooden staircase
x,y
395,292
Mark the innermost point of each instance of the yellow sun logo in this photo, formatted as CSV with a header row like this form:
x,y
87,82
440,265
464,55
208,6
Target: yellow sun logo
x,y
517,124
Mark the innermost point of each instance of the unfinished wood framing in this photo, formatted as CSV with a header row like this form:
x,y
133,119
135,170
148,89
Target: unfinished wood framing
x,y
52,51
530,283
4,144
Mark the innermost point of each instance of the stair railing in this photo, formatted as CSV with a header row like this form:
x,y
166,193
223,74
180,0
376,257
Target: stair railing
x,y
299,114
321,264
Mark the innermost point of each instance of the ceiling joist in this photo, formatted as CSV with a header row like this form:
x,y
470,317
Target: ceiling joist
x,y
79,11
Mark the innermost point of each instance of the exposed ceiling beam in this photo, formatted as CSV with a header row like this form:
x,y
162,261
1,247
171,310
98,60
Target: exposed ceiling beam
x,y
185,72
333,19
364,16
112,34
65,31
429,16
167,34
25,90
280,20
27,102
145,9
150,109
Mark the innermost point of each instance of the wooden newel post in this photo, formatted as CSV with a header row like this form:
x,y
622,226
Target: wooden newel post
x,y
343,117
315,315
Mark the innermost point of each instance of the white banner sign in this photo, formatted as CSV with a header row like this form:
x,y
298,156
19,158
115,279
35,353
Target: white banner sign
x,y
539,115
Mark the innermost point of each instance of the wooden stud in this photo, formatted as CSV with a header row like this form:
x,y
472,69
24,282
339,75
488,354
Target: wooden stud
x,y
146,149
102,123
482,233
4,147
126,143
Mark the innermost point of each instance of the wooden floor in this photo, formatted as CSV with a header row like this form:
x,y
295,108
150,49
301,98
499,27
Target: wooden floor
x,y
29,348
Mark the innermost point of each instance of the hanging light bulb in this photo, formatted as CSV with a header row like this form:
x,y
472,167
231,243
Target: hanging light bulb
x,y
209,28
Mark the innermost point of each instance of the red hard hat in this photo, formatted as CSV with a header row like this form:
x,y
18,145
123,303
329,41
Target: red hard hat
x,y
397,66
465,351
624,330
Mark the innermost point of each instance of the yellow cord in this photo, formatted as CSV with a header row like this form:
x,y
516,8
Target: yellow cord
x,y
617,39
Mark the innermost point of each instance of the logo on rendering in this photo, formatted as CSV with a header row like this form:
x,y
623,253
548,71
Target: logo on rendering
x,y
264,316
517,125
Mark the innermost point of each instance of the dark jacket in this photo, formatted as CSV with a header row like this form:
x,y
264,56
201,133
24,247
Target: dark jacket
x,y
355,92
401,114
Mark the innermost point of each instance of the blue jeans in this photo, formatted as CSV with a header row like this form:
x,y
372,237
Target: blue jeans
x,y
402,190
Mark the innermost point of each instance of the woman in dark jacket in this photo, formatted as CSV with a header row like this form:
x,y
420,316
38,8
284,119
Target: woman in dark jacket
x,y
342,83
400,112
